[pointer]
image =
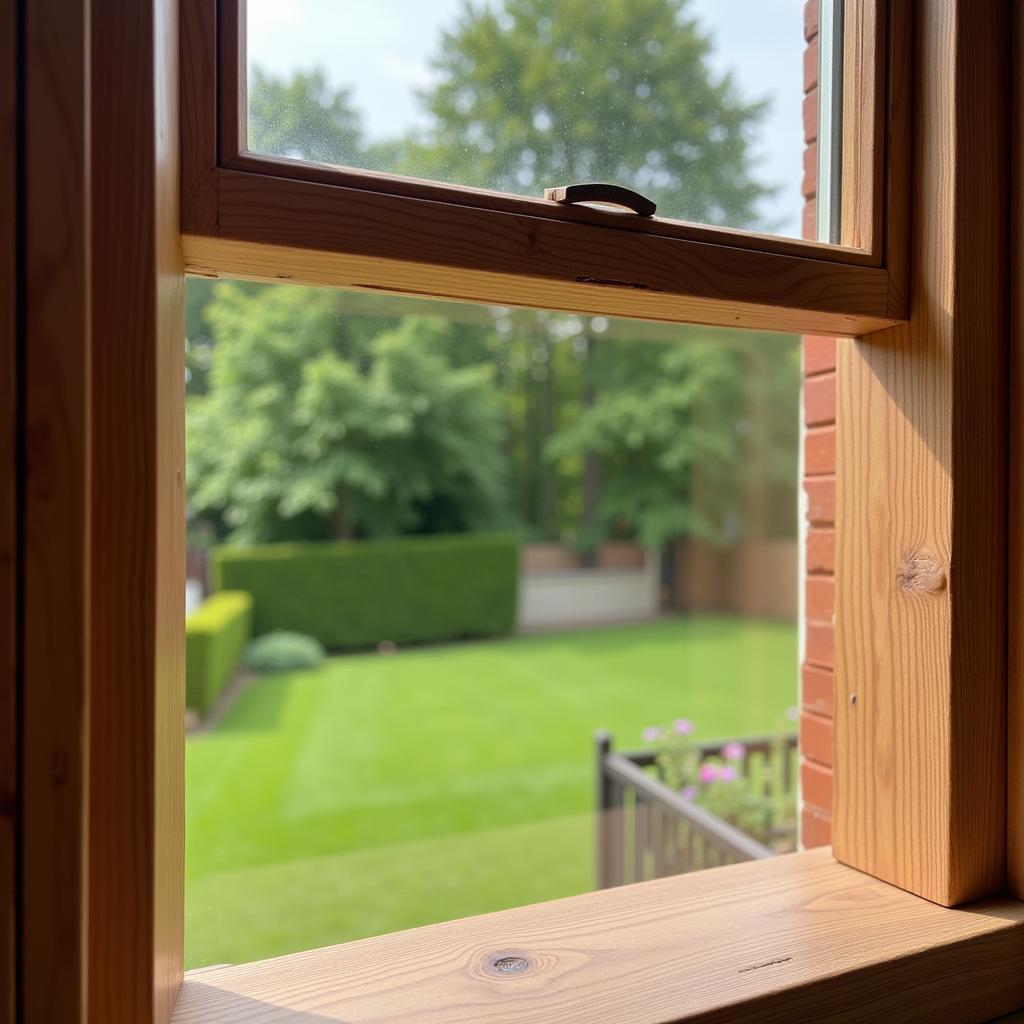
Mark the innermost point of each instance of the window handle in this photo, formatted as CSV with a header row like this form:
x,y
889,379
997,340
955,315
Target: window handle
x,y
602,192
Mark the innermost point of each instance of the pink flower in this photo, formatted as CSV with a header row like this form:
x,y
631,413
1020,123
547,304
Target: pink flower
x,y
792,713
734,751
728,773
708,773
683,726
688,792
651,734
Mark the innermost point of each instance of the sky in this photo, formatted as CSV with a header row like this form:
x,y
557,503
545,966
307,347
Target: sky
x,y
382,49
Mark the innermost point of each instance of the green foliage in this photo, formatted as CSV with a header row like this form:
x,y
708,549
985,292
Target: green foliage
x,y
281,651
762,806
682,444
215,637
303,117
335,435
539,92
351,595
442,782
370,425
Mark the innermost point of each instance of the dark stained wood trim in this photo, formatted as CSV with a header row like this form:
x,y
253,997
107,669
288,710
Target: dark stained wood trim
x,y
56,508
136,851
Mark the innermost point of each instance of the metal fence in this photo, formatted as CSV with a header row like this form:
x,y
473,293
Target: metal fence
x,y
646,830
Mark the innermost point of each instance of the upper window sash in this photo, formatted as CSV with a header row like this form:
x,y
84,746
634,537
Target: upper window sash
x,y
242,213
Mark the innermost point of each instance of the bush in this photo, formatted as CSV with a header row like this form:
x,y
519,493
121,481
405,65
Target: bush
x,y
215,637
358,594
281,651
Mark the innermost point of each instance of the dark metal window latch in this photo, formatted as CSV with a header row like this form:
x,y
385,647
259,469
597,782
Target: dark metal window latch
x,y
602,192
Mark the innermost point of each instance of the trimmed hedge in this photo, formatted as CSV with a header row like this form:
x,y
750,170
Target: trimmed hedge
x,y
357,594
215,637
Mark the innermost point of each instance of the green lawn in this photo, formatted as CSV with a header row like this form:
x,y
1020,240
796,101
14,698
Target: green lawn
x,y
384,792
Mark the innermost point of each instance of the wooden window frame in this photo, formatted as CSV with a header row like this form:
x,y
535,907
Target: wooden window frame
x,y
255,216
921,761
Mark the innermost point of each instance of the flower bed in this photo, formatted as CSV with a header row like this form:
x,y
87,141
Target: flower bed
x,y
681,806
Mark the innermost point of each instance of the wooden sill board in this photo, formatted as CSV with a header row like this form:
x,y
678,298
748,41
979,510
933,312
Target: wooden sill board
x,y
796,938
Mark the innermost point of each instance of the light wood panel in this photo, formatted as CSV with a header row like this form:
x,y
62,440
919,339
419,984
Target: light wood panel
x,y
921,488
137,812
794,939
10,489
56,630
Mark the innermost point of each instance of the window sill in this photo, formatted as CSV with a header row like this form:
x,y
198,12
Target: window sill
x,y
796,938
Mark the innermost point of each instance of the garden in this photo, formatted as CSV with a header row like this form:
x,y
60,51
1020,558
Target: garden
x,y
368,476
377,792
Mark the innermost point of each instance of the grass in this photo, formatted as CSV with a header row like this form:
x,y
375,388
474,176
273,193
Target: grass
x,y
375,793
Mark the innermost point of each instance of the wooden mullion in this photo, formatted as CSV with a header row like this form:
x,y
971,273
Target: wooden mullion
x,y
136,852
921,489
56,635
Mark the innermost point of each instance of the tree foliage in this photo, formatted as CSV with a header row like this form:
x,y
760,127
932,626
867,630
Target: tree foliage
x,y
543,92
377,423
684,446
324,444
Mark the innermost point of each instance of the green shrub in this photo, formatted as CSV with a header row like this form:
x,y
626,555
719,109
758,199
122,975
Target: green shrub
x,y
215,637
358,594
281,651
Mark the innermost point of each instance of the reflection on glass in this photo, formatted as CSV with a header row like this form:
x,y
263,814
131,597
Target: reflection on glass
x,y
442,547
694,103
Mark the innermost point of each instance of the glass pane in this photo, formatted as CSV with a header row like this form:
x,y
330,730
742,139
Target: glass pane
x,y
698,104
434,549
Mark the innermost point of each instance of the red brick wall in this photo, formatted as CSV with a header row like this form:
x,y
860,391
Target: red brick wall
x,y
819,412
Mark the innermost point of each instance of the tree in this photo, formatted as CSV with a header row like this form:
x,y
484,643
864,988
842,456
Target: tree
x,y
324,445
684,445
534,93
303,117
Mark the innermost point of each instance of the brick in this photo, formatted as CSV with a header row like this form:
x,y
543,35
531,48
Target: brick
x,y
816,738
820,644
809,185
819,598
811,66
811,8
809,220
820,451
810,111
821,500
821,548
816,786
816,690
820,400
819,354
815,828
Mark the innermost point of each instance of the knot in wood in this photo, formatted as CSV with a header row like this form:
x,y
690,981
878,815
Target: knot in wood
x,y
921,574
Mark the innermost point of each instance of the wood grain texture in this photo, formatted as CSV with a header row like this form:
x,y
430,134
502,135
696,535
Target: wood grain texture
x,y
864,126
791,939
325,235
503,202
137,814
921,489
198,105
10,489
1015,618
56,630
